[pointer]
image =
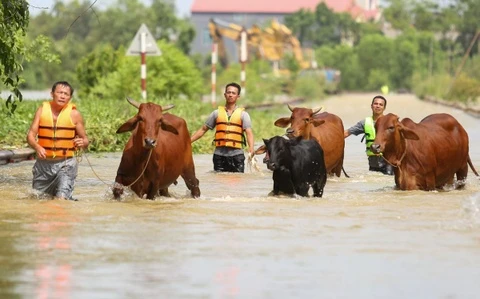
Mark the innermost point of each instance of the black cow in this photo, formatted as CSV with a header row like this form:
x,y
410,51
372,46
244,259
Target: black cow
x,y
296,164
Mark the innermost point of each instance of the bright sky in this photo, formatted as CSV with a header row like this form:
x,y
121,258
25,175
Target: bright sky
x,y
36,6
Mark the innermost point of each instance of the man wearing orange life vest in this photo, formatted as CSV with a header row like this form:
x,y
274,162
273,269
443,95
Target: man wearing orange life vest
x,y
56,132
230,122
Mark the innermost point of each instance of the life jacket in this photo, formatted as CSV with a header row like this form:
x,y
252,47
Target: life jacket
x,y
229,131
370,135
57,139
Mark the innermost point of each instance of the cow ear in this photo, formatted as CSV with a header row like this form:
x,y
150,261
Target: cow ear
x,y
282,122
408,134
128,126
317,122
261,150
166,126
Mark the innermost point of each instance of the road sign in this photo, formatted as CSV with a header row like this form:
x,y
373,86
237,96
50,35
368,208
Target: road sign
x,y
150,45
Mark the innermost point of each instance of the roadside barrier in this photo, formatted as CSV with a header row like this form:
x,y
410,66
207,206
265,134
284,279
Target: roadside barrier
x,y
16,155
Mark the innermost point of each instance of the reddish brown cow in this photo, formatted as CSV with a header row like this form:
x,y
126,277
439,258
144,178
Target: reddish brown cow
x,y
427,155
157,153
326,128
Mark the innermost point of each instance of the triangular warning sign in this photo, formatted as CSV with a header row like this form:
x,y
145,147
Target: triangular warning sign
x,y
143,34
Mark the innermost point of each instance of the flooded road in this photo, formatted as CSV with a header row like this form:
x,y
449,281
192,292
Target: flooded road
x,y
363,239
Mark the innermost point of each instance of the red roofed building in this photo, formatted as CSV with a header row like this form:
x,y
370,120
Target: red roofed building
x,y
261,12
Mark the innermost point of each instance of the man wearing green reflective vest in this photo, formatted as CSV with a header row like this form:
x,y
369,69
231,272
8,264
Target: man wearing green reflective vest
x,y
367,127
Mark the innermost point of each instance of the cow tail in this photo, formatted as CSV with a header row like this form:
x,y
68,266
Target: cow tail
x,y
343,169
471,166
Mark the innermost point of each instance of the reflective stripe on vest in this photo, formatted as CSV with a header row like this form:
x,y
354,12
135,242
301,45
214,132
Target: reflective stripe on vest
x,y
229,132
369,135
57,139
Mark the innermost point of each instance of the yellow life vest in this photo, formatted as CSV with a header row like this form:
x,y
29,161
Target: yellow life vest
x,y
57,139
229,131
370,135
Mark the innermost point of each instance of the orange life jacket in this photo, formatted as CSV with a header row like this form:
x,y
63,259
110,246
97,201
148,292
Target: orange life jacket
x,y
57,139
229,132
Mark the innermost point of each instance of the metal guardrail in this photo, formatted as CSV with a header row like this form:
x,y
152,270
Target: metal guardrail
x,y
16,155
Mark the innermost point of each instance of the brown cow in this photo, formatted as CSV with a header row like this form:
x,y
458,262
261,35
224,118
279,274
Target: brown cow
x,y
426,155
326,128
157,153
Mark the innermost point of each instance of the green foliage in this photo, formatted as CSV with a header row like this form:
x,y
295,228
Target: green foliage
x,y
77,27
300,22
97,64
436,85
310,85
323,26
103,118
472,67
398,14
469,22
374,53
403,64
376,79
464,89
170,75
14,128
14,19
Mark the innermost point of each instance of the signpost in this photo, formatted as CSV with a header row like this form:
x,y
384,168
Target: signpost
x,y
214,73
243,59
143,43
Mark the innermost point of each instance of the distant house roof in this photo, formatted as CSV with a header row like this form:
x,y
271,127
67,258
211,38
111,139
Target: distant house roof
x,y
277,6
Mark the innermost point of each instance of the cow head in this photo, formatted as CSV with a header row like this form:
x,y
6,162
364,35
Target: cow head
x,y
147,122
278,151
390,133
300,121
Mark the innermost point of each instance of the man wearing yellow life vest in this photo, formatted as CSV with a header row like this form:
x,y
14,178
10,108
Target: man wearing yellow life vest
x,y
57,131
230,122
367,127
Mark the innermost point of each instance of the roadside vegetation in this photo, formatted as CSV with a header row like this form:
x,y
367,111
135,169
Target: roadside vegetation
x,y
434,52
104,117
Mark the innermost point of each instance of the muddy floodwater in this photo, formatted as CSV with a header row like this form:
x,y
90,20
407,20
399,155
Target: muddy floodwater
x,y
363,239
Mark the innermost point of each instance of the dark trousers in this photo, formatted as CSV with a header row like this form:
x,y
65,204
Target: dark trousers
x,y
229,164
377,163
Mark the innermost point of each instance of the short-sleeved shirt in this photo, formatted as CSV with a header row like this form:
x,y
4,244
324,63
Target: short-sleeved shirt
x,y
373,161
224,150
358,128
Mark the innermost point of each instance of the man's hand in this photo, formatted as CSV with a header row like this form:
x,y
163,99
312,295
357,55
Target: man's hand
x,y
252,161
41,152
78,142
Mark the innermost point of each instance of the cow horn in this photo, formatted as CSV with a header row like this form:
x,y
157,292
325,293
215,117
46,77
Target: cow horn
x,y
316,110
133,102
167,107
290,107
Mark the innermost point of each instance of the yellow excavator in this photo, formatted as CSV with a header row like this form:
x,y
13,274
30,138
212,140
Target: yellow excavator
x,y
271,43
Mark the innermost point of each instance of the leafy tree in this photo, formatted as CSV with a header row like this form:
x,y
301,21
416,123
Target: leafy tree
x,y
469,25
98,64
14,19
16,48
398,14
374,53
403,64
323,26
300,23
170,75
345,59
79,26
426,16
326,26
